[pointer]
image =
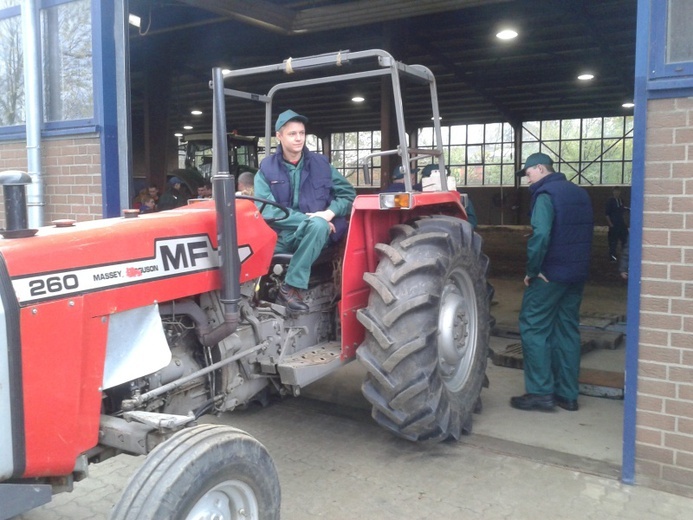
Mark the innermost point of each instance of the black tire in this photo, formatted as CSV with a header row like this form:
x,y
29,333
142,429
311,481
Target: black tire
x,y
201,472
427,330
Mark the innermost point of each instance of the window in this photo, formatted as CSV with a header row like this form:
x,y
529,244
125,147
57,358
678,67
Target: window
x,y
671,50
679,46
589,151
348,152
476,155
68,91
67,76
11,66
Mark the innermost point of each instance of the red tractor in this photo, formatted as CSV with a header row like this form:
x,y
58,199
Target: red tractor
x,y
138,326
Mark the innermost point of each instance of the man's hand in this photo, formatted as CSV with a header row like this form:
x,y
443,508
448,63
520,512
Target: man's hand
x,y
327,214
540,275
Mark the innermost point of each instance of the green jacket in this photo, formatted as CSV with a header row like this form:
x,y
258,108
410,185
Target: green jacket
x,y
343,193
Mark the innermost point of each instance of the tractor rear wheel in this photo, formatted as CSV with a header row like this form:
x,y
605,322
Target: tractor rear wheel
x,y
208,471
427,330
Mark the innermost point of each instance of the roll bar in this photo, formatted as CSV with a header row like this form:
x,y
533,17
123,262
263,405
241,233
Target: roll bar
x,y
385,65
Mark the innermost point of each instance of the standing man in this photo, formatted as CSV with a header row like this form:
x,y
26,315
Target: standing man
x,y
558,261
318,198
618,230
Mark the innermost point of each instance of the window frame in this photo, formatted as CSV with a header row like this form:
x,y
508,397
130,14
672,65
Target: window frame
x,y
461,171
574,169
361,151
69,126
609,170
663,75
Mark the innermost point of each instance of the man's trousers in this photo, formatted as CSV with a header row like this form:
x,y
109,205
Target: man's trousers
x,y
549,328
306,243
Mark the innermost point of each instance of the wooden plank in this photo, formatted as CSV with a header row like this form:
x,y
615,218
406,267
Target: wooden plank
x,y
605,378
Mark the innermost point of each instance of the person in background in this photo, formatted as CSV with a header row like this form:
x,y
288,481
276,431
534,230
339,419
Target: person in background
x,y
318,197
558,263
618,229
397,179
466,201
471,212
205,191
246,181
147,204
623,262
172,197
151,192
206,167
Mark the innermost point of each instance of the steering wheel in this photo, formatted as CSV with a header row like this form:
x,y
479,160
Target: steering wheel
x,y
264,203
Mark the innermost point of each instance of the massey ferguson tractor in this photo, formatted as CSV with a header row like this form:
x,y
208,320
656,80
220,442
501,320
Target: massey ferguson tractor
x,y
118,335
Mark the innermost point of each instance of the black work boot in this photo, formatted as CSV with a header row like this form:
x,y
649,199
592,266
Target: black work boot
x,y
567,404
545,403
291,298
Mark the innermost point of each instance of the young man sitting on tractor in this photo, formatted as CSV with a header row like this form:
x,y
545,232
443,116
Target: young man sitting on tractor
x,y
317,196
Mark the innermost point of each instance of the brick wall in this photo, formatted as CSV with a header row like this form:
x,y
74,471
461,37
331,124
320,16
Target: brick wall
x,y
664,436
71,170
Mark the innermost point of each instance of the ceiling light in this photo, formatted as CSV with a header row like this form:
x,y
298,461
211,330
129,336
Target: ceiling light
x,y
134,20
196,112
358,99
628,105
178,134
585,77
507,34
187,127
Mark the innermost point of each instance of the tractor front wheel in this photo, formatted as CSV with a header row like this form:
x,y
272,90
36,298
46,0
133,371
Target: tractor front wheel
x,y
207,471
427,330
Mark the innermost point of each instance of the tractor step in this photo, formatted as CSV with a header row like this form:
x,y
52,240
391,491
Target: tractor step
x,y
311,364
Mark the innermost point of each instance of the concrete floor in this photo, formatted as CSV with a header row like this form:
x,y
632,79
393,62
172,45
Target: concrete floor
x,y
596,431
590,438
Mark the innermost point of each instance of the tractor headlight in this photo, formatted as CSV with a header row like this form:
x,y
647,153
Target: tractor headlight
x,y
395,200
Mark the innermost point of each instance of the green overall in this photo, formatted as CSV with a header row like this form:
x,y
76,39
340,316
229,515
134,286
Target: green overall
x,y
549,318
299,234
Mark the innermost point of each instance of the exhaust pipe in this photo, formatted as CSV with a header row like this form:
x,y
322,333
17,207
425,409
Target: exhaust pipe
x,y
13,184
224,186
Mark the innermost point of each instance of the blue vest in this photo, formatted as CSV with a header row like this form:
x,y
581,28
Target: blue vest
x,y
570,248
315,191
